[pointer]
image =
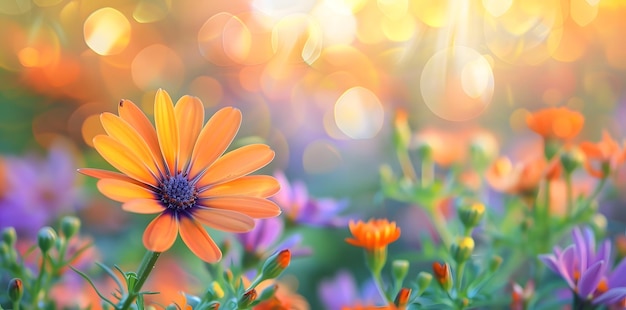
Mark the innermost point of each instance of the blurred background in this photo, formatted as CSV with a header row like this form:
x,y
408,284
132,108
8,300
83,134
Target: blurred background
x,y
320,81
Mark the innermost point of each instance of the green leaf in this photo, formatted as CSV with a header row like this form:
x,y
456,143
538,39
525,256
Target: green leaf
x,y
112,275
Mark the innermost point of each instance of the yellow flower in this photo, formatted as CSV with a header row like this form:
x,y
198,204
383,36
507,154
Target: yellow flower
x,y
177,171
374,234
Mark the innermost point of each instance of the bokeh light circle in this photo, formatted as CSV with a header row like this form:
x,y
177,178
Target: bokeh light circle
x,y
107,31
457,83
359,113
157,66
320,156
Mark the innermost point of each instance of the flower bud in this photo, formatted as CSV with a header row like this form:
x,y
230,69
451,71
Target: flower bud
x,y
572,159
16,290
423,281
402,132
463,249
70,225
46,238
246,300
443,275
217,290
276,264
399,269
471,214
495,263
402,299
9,236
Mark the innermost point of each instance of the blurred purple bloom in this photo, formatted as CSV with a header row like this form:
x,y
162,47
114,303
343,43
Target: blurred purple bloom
x,y
38,191
263,239
587,272
300,208
342,291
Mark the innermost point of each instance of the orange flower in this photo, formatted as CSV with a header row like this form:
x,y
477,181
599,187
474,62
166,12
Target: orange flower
x,y
607,152
522,177
373,235
556,123
178,172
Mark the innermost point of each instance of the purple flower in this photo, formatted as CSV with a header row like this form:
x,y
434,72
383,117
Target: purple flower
x,y
587,271
38,190
300,208
342,291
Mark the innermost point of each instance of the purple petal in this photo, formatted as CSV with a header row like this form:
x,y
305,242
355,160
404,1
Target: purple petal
x,y
339,291
590,279
618,276
581,247
611,296
590,240
604,253
550,261
566,264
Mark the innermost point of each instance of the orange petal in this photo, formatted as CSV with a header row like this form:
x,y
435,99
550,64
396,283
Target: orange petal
x,y
123,191
105,174
224,220
214,139
124,133
120,157
252,185
161,233
166,128
591,150
252,206
129,112
237,163
199,241
189,117
143,206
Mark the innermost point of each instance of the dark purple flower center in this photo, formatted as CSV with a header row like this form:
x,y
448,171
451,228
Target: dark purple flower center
x,y
177,193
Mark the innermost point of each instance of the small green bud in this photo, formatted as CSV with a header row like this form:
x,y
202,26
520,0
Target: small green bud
x,y
215,291
495,263
246,300
471,214
16,290
9,236
399,269
275,264
423,281
70,225
46,238
551,148
402,132
463,249
571,160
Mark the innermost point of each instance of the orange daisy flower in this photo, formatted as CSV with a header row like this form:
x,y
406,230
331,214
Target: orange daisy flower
x,y
178,172
374,234
607,152
556,123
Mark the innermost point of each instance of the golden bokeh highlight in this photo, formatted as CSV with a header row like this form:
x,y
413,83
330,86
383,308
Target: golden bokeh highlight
x,y
158,66
107,31
150,11
296,39
457,84
433,13
359,113
47,3
497,7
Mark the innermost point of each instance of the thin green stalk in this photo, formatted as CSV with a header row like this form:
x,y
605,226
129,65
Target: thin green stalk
x,y
440,225
146,266
428,172
460,270
16,305
379,284
407,167
42,271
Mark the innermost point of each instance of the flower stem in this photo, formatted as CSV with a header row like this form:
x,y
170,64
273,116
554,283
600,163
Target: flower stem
x,y
459,278
146,266
379,284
